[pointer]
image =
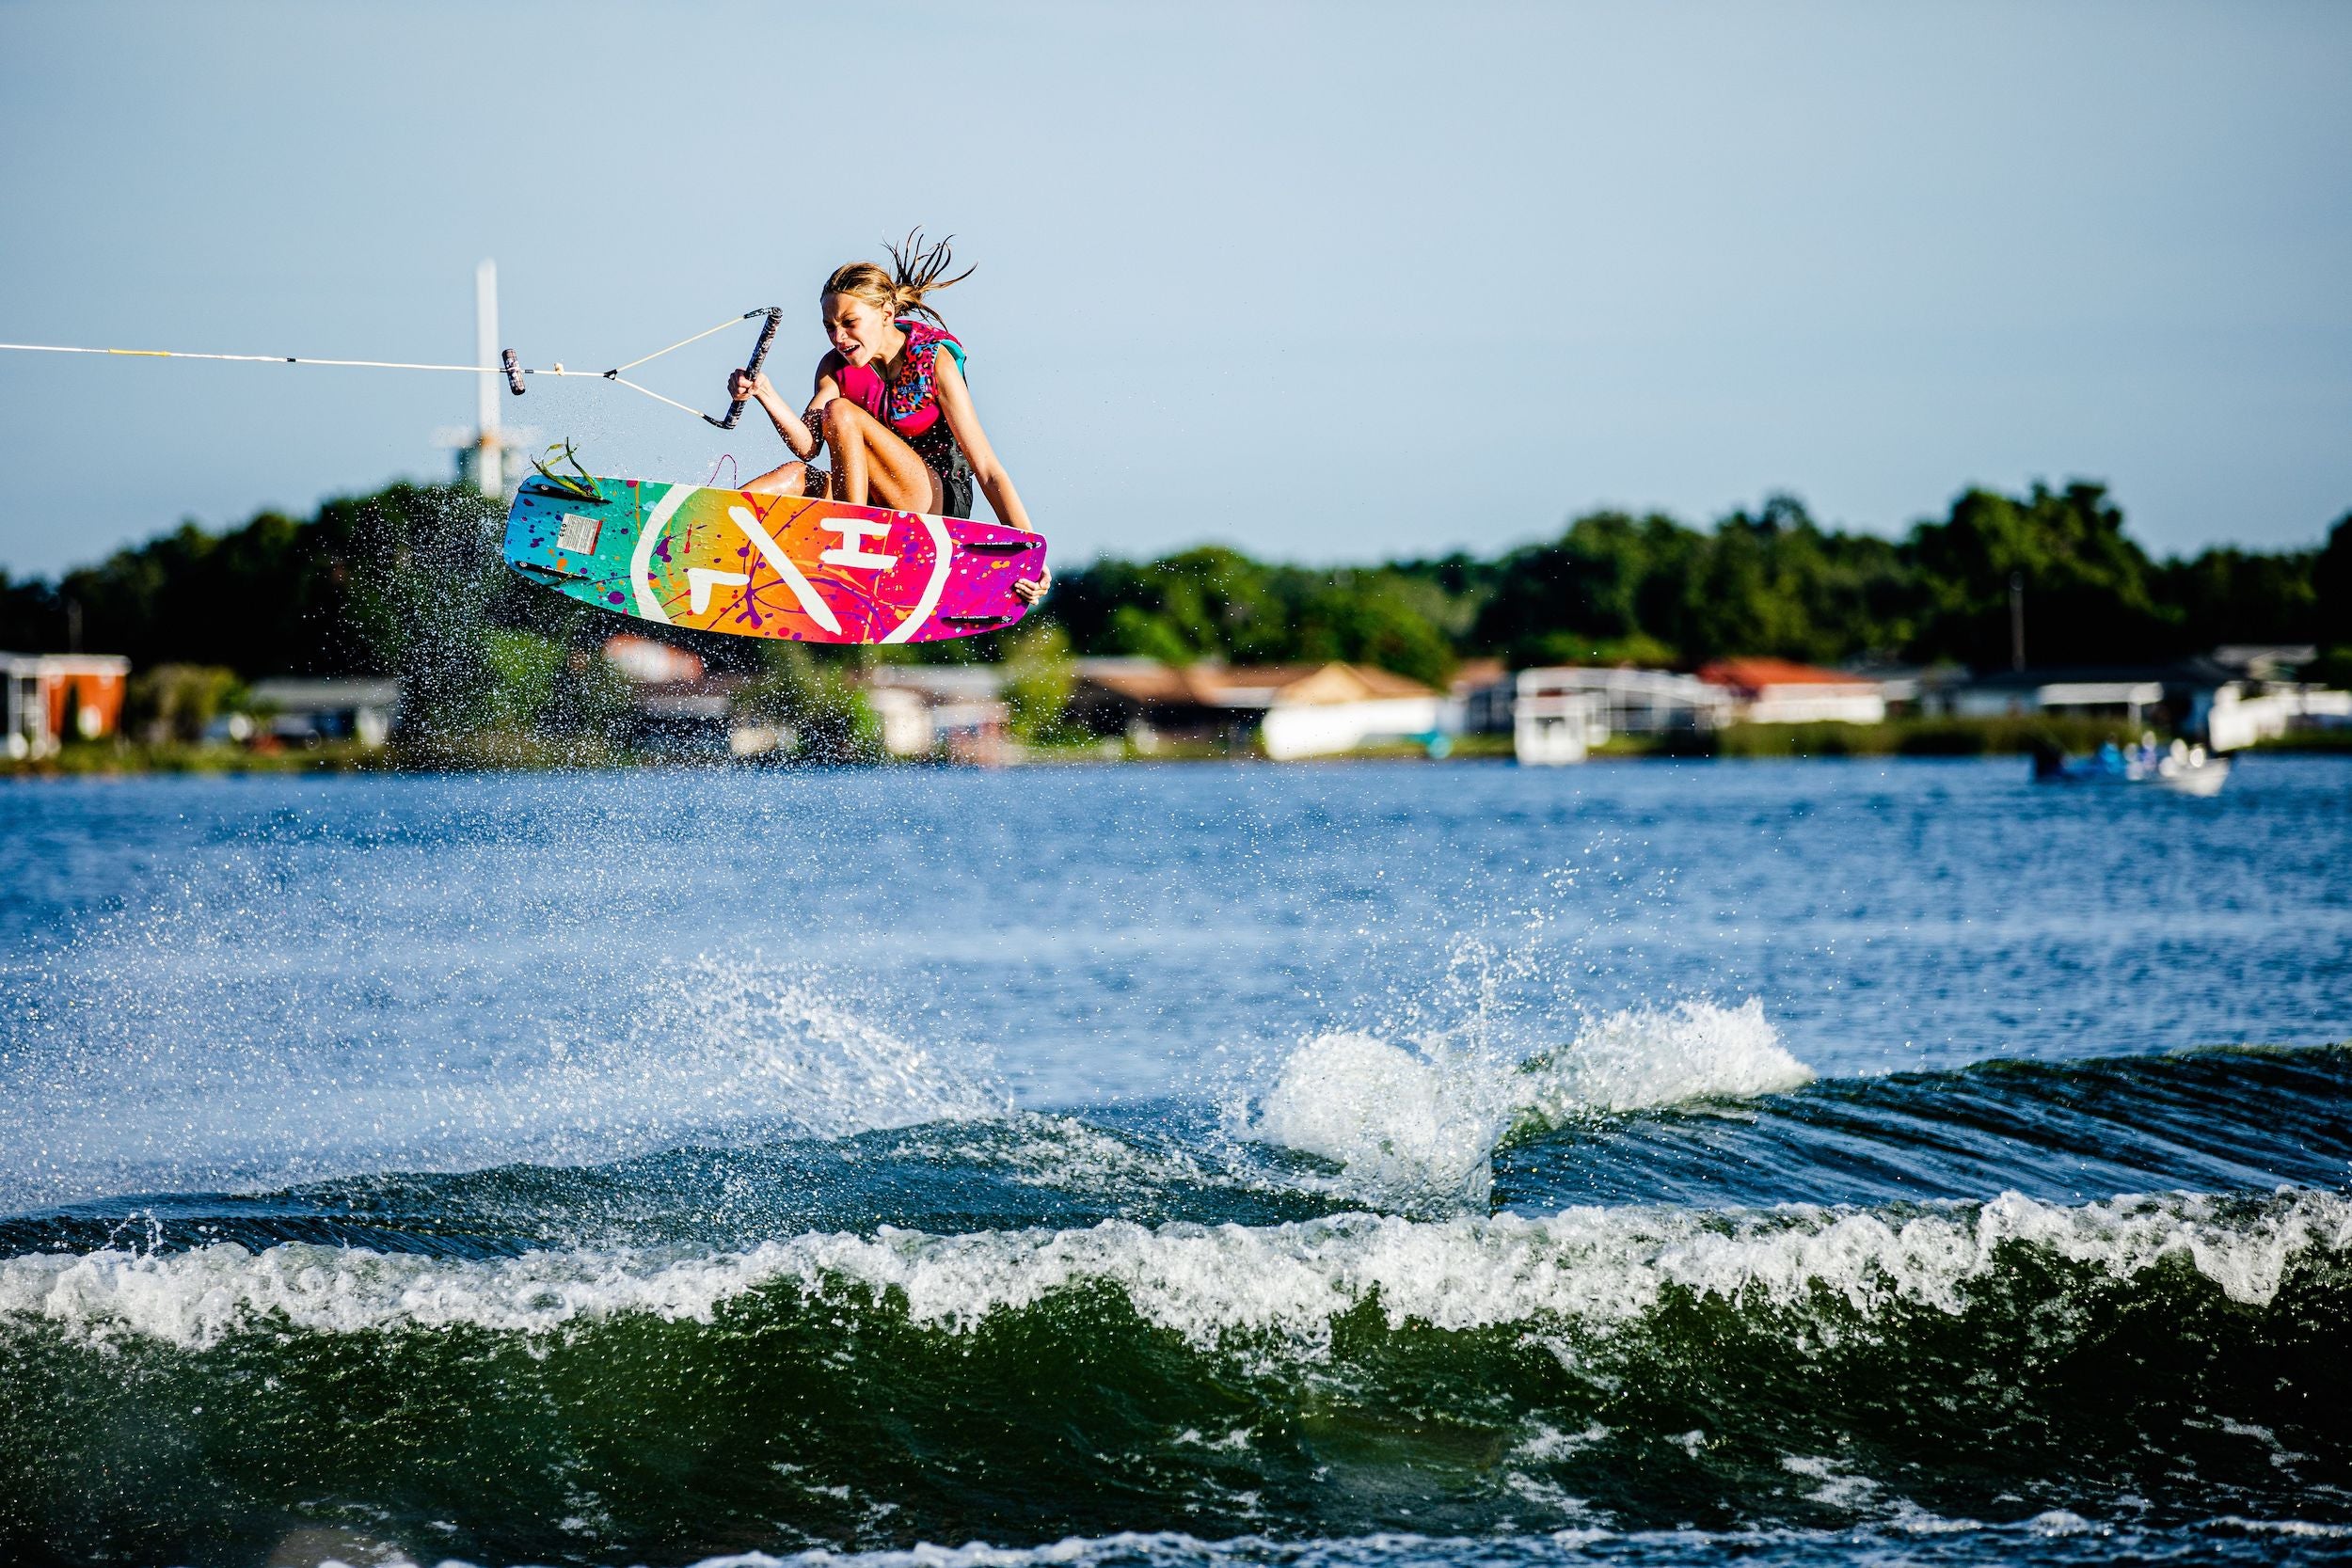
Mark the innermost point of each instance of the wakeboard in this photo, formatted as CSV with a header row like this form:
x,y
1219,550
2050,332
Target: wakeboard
x,y
800,569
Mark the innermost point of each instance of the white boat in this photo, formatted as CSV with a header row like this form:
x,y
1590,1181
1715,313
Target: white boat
x,y
2195,774
2184,768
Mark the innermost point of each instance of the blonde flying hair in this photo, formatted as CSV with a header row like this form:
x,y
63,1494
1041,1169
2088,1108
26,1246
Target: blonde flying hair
x,y
915,270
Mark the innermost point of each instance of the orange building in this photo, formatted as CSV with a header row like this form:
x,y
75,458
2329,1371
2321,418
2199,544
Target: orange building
x,y
50,698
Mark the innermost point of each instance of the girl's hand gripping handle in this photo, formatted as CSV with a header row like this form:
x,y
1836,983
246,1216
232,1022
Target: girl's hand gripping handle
x,y
759,352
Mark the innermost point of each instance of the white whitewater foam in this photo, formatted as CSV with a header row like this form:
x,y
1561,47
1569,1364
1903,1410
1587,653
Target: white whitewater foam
x,y
1403,1126
1650,1056
1591,1269
1415,1127
1175,1549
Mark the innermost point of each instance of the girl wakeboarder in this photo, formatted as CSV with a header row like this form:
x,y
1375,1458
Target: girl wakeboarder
x,y
894,409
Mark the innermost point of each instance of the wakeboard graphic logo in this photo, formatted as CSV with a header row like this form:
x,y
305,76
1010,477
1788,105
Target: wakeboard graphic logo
x,y
758,565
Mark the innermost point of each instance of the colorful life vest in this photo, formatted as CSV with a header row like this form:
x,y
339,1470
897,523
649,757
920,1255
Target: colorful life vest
x,y
910,404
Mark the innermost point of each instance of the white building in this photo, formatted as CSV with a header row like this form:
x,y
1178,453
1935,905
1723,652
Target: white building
x,y
1554,719
926,709
1635,702
1293,710
2239,717
304,709
2128,698
1340,707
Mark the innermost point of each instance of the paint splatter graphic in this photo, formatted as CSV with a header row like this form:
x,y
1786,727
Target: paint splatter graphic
x,y
807,571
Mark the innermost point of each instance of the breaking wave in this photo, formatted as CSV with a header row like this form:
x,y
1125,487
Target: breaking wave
x,y
1592,1269
1615,1370
1121,1329
1417,1126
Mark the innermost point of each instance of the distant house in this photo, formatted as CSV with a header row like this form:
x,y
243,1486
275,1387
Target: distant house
x,y
304,710
2266,661
2130,693
51,698
927,709
1777,692
2239,716
2231,700
678,709
2266,701
1555,721
1913,691
1636,702
1323,711
1482,692
1150,702
1291,710
642,661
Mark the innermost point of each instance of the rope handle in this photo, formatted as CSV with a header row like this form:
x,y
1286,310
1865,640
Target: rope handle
x,y
759,352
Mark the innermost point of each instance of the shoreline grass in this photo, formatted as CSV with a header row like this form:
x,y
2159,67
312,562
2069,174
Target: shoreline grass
x,y
493,752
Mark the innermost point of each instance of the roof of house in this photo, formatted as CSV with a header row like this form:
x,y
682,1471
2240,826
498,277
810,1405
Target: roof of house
x,y
1347,682
644,661
2194,671
1149,681
1247,686
65,664
305,692
939,682
1473,674
1754,674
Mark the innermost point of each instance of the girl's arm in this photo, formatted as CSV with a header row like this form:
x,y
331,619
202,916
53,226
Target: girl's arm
x,y
814,415
799,431
963,423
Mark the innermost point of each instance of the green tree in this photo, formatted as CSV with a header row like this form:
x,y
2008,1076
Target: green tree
x,y
410,580
1610,576
32,617
2236,595
2331,587
2088,587
177,701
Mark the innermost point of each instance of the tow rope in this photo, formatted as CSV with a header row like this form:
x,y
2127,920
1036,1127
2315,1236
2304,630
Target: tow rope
x,y
514,370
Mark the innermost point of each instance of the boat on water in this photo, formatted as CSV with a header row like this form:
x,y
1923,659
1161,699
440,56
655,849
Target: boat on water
x,y
2181,767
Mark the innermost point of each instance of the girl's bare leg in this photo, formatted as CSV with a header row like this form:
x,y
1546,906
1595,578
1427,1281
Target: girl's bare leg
x,y
873,465
793,479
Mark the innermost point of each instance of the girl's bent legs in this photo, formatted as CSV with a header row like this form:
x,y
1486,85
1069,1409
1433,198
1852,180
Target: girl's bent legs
x,y
874,466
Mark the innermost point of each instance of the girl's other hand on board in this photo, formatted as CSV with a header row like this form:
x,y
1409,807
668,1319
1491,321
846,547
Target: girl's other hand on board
x,y
1029,592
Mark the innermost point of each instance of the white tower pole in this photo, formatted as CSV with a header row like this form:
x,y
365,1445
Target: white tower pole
x,y
488,444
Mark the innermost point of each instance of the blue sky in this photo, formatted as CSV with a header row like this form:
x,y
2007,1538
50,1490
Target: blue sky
x,y
1328,282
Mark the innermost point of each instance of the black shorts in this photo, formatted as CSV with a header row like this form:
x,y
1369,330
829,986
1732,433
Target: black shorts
x,y
940,453
955,492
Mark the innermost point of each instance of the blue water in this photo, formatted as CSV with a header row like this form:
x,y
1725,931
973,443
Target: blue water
x,y
1367,1163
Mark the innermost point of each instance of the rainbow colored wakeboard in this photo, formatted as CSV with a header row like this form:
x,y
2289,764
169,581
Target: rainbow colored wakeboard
x,y
808,571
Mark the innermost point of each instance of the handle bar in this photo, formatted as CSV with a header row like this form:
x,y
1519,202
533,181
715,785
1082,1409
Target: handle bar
x,y
759,352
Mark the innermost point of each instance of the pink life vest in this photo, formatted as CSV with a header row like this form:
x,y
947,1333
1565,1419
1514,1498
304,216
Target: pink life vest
x,y
910,404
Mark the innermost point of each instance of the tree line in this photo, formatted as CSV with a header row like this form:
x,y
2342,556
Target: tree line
x,y
1615,588
408,581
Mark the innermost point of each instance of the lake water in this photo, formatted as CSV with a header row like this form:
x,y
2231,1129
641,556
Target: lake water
x,y
1353,1166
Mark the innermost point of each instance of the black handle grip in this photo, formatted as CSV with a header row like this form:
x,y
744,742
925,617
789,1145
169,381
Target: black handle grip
x,y
513,371
759,352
